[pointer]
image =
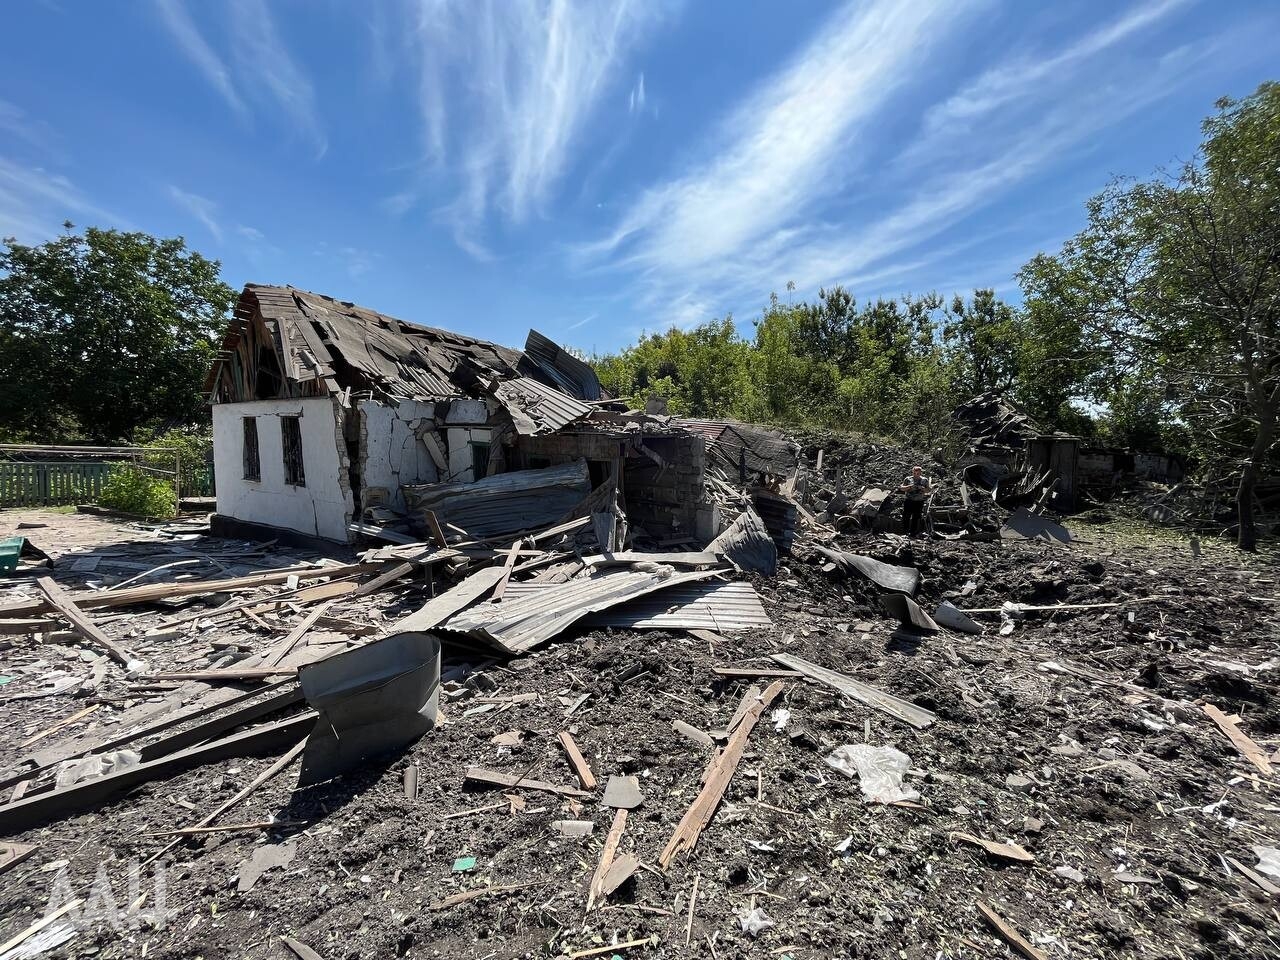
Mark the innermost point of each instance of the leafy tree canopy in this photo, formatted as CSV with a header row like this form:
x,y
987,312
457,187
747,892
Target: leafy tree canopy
x,y
104,332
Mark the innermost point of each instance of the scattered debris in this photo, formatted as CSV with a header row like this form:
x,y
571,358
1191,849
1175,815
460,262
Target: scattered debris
x,y
880,771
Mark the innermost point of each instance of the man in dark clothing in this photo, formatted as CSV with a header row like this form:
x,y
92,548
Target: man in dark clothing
x,y
917,490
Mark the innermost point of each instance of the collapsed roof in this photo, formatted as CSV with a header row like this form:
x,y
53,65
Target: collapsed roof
x,y
285,342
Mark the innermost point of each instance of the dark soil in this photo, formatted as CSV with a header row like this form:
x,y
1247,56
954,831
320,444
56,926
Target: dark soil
x,y
1138,791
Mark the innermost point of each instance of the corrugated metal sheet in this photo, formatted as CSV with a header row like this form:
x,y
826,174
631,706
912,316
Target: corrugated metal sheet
x,y
536,408
692,606
504,504
746,543
517,625
562,368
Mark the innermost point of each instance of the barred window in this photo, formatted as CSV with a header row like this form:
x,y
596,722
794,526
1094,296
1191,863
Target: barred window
x,y
252,466
291,440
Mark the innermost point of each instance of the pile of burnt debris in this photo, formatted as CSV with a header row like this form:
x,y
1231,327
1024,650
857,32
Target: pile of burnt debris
x,y
808,736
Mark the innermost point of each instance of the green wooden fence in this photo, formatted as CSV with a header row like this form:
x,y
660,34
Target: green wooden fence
x,y
50,484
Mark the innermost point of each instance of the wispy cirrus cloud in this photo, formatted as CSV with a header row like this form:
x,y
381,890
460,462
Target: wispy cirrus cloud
x,y
1025,77
523,79
195,48
777,152
202,209
635,102
264,71
34,202
788,195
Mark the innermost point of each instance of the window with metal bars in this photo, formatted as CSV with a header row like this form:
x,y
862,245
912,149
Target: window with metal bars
x,y
291,442
252,465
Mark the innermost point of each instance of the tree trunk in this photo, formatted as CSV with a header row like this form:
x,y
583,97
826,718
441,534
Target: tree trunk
x,y
1247,536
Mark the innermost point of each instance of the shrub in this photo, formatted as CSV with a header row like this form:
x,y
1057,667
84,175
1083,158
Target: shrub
x,y
193,445
130,489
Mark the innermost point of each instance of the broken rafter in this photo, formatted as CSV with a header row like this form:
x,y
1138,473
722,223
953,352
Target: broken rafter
x,y
1248,749
61,601
716,780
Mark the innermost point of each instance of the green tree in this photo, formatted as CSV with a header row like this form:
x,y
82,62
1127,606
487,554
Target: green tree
x,y
1178,280
980,337
103,333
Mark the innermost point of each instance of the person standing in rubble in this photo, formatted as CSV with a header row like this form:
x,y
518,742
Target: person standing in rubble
x,y
917,491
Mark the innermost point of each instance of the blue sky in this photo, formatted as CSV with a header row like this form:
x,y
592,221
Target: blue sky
x,y
604,167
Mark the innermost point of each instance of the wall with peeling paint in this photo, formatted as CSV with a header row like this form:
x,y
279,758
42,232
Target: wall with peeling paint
x,y
396,447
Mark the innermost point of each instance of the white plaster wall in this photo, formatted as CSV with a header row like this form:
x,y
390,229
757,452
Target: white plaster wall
x,y
391,449
322,508
464,412
461,467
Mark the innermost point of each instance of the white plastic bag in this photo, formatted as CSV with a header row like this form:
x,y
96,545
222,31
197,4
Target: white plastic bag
x,y
754,921
97,765
879,770
1268,860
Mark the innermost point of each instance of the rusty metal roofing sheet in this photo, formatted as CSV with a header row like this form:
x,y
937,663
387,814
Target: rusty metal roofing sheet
x,y
516,625
713,605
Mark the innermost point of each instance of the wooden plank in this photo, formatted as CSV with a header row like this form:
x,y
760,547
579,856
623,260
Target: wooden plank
x,y
176,719
1008,851
580,766
1010,935
300,949
1248,749
62,801
65,722
606,855
433,524
381,580
285,647
61,601
501,586
917,717
39,925
93,600
439,609
12,854
496,779
716,780
229,675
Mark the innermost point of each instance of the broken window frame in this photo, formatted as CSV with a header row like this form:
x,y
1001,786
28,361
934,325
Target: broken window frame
x,y
250,450
295,474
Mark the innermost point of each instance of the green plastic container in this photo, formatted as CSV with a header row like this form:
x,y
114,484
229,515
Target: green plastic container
x,y
10,551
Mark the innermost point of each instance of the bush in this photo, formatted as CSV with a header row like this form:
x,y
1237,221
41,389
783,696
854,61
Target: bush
x,y
193,446
130,489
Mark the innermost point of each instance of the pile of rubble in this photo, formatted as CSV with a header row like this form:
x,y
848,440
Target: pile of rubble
x,y
516,734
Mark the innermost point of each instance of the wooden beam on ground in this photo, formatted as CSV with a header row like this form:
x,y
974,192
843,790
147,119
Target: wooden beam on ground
x,y
606,855
64,722
285,647
61,601
580,766
1248,749
229,675
1009,934
382,579
716,780
95,599
40,807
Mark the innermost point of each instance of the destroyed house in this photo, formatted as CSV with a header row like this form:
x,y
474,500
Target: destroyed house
x,y
325,413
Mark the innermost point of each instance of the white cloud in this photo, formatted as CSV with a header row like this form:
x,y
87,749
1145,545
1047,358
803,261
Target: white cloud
x,y
787,194
581,323
1023,77
34,203
264,70
264,59
197,50
636,101
523,78
201,208
780,149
